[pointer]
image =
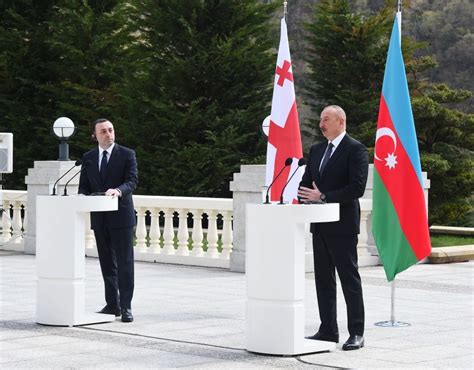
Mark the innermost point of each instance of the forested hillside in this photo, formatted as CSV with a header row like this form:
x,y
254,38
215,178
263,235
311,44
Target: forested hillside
x,y
339,52
446,26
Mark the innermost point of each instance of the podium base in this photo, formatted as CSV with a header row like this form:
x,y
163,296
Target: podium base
x,y
86,319
309,346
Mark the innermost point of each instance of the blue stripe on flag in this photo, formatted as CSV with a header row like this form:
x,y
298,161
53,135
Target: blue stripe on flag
x,y
397,96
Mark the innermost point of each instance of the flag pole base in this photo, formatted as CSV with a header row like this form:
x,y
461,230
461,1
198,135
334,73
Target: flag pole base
x,y
392,324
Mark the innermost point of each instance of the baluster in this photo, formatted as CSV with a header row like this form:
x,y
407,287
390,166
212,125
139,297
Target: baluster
x,y
89,233
16,222
154,231
212,236
25,220
6,224
140,232
227,237
168,233
197,236
183,234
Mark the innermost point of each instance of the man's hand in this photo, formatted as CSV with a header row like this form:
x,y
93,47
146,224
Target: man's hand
x,y
113,192
309,194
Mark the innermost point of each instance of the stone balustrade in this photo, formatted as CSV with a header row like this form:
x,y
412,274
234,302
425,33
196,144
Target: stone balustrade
x,y
181,230
187,230
13,219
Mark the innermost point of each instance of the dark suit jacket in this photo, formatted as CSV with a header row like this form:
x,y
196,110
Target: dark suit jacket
x,y
343,181
122,173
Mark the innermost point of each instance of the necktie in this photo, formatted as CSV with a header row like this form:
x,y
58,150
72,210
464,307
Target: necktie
x,y
326,158
103,165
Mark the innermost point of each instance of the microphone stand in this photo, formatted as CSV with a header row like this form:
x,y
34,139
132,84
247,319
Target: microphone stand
x,y
68,181
77,163
301,162
288,162
84,166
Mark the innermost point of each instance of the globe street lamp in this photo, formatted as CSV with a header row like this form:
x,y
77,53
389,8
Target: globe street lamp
x,y
63,129
265,128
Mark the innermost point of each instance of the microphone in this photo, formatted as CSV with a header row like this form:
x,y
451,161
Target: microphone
x,y
86,163
288,162
301,162
77,163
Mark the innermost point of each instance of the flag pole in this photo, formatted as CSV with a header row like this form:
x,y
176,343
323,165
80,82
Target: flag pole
x,y
285,10
399,20
392,323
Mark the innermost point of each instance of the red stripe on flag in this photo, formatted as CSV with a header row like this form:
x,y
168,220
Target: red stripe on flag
x,y
403,186
287,141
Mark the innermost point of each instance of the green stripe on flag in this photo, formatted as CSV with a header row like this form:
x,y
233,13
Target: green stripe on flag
x,y
394,249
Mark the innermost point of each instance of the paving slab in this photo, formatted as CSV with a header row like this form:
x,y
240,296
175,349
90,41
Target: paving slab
x,y
194,317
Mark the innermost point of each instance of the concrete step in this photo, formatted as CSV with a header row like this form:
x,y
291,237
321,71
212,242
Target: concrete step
x,y
460,253
452,230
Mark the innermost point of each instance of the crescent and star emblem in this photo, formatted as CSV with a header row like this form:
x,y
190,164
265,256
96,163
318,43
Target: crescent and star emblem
x,y
391,159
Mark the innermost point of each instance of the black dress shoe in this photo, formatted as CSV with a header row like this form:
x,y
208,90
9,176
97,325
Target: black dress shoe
x,y
354,342
127,315
110,309
325,337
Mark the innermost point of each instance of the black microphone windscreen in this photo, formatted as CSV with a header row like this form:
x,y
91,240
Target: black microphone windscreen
x,y
301,162
288,161
78,163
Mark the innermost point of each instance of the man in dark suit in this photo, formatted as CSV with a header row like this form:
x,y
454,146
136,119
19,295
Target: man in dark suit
x,y
337,173
111,169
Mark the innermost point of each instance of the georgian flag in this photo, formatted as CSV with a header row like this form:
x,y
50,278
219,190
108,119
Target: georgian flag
x,y
284,138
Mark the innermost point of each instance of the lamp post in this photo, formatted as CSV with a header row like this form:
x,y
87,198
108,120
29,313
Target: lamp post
x,y
63,129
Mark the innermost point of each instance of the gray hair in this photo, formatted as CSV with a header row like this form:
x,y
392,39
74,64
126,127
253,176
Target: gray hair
x,y
339,111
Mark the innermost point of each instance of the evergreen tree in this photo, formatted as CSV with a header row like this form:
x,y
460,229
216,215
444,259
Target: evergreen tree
x,y
445,135
58,58
346,58
202,86
23,62
446,142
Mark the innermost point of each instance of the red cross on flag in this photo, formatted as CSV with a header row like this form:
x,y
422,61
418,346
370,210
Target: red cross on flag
x,y
284,138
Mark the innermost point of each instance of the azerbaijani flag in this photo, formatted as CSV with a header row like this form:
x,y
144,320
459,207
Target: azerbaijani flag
x,y
399,215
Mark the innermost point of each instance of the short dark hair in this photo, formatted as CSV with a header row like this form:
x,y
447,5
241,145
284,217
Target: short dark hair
x,y
97,121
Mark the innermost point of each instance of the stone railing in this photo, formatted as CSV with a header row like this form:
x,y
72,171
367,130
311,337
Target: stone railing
x,y
13,219
190,231
181,230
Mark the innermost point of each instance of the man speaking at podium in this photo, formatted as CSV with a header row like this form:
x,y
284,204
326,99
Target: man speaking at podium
x,y
111,169
337,173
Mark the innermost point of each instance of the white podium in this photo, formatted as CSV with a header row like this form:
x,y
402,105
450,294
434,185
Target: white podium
x,y
275,273
60,258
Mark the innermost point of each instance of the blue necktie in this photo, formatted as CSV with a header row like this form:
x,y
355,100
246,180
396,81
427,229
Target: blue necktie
x,y
103,165
326,158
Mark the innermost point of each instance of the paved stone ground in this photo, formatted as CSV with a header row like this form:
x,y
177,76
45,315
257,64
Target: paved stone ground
x,y
195,317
